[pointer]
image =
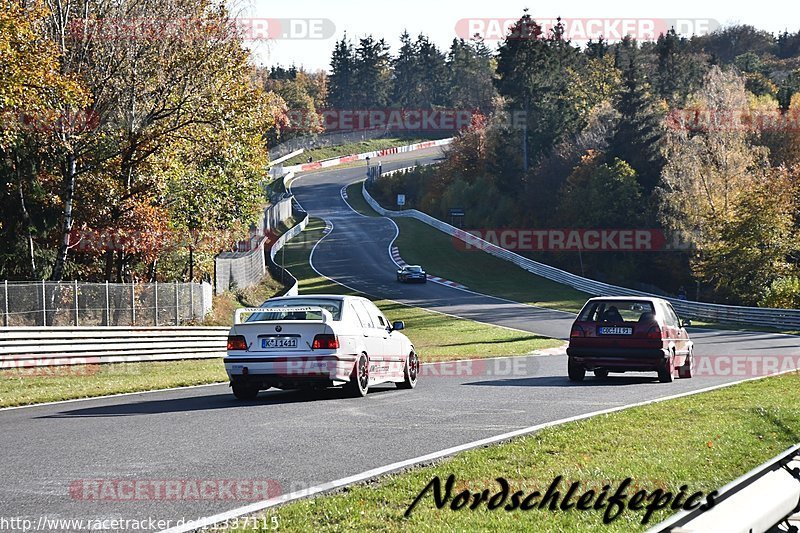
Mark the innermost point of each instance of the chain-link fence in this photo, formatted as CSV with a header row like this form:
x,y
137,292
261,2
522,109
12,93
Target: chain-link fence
x,y
74,303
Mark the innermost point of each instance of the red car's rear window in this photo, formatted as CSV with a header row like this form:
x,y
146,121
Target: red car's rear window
x,y
617,311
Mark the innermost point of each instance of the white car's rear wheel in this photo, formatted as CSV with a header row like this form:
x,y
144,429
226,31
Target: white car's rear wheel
x,y
411,372
359,380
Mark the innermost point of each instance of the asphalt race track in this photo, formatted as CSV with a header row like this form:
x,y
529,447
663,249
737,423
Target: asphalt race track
x,y
297,441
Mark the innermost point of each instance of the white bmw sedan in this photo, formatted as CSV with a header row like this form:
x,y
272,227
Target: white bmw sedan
x,y
317,341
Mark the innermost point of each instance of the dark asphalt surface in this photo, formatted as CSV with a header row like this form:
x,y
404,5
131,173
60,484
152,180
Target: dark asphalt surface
x,y
299,441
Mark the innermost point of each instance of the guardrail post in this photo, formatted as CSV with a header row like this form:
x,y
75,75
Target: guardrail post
x,y
44,304
133,302
108,307
75,288
5,301
155,304
177,314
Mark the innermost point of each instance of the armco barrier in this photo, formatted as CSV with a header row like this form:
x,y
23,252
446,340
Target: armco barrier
x,y
25,348
761,500
278,272
788,319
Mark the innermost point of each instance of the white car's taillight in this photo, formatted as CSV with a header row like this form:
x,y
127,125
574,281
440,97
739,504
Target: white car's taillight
x,y
325,341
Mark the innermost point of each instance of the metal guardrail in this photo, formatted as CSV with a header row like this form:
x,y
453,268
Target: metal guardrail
x,y
757,502
278,271
788,319
33,347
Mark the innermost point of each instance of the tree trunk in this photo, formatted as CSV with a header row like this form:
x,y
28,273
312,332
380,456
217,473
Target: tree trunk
x,y
66,228
26,218
191,264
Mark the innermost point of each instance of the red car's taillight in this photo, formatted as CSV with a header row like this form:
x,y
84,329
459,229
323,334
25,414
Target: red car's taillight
x,y
237,343
577,331
654,333
325,341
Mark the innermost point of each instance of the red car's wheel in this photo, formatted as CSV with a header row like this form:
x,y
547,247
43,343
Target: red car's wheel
x,y
575,370
667,371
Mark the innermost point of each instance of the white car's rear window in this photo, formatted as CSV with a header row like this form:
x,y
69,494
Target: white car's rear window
x,y
332,306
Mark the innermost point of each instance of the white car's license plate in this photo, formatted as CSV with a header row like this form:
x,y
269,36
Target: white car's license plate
x,y
279,342
616,331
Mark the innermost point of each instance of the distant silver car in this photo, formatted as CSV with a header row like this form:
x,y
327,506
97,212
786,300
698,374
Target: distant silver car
x,y
412,273
317,341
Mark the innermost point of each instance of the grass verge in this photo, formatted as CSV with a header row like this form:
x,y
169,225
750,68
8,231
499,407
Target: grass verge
x,y
703,442
327,152
51,384
356,200
443,256
436,337
224,305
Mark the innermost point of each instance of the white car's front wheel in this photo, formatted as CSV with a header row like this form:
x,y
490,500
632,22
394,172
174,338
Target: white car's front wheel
x,y
359,381
411,372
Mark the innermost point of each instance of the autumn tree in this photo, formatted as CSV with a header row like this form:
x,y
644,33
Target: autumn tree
x,y
718,188
151,87
36,101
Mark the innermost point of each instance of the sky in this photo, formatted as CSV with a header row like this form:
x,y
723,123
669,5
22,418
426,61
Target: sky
x,y
304,32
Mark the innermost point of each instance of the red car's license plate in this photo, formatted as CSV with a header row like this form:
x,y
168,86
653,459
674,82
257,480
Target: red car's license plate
x,y
615,331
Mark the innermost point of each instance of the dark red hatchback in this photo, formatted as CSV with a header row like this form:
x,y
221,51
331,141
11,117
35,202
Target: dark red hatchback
x,y
620,334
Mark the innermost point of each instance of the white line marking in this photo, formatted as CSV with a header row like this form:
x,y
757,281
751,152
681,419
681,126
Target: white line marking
x,y
380,471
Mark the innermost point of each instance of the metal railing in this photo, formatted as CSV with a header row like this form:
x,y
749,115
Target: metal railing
x,y
35,347
788,319
278,271
76,303
762,499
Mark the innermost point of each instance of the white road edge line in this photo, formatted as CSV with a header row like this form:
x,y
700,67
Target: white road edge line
x,y
383,470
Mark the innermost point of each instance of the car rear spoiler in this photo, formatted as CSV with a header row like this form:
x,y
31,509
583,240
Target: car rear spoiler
x,y
324,313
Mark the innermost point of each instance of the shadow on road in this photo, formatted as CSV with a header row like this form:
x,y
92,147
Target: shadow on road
x,y
563,381
210,402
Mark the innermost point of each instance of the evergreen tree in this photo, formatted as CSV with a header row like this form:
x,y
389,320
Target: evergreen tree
x,y
539,77
470,68
371,79
431,86
637,139
679,72
341,79
405,75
